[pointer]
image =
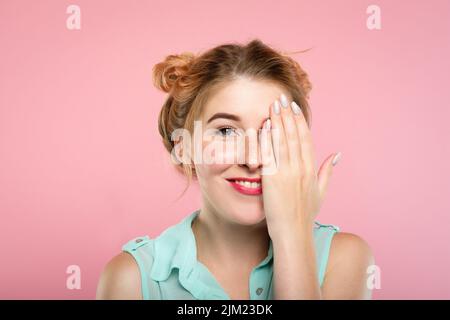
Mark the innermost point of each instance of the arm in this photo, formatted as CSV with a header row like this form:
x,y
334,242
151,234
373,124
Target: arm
x,y
120,280
295,272
292,197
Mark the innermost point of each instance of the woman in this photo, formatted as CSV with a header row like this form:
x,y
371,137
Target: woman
x,y
255,235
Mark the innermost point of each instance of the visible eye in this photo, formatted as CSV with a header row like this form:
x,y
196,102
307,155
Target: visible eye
x,y
226,131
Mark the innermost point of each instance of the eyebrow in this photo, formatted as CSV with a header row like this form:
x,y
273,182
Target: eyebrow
x,y
224,116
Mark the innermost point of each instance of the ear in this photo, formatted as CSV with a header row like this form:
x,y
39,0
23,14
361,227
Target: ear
x,y
177,152
180,152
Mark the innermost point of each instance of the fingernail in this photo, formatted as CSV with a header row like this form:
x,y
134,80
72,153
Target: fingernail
x,y
276,107
267,124
284,101
336,158
295,108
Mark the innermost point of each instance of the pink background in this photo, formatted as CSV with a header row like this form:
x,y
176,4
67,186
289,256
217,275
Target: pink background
x,y
82,168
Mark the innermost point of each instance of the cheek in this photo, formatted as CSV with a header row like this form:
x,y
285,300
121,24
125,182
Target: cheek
x,y
210,171
220,152
217,157
211,179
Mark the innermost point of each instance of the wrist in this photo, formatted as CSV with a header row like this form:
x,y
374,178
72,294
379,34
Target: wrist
x,y
292,233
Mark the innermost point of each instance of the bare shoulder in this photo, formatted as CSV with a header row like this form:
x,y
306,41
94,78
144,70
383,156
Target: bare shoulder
x,y
346,273
348,245
120,279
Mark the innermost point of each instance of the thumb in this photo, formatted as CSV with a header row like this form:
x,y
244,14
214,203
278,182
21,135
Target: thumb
x,y
325,172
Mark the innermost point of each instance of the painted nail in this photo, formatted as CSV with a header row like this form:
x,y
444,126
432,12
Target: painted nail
x,y
295,108
267,124
284,101
336,158
276,107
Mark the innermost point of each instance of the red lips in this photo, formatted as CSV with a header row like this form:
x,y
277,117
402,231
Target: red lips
x,y
243,189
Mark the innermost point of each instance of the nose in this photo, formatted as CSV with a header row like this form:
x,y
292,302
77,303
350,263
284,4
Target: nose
x,y
252,151
253,167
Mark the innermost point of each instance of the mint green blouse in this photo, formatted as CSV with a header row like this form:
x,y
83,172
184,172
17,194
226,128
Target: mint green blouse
x,y
169,269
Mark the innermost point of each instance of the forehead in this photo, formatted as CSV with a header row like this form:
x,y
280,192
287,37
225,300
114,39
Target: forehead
x,y
249,99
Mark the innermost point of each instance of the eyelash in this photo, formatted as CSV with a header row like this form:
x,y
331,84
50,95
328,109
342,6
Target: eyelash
x,y
222,128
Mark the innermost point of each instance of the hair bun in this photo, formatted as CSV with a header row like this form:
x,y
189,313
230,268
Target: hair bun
x,y
166,73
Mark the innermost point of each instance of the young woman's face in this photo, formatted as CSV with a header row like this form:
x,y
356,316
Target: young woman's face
x,y
237,110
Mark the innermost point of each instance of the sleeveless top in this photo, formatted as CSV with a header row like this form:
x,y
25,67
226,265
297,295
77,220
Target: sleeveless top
x,y
169,269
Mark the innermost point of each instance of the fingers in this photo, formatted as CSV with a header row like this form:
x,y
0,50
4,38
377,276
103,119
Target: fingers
x,y
278,137
291,137
290,133
267,154
305,137
324,175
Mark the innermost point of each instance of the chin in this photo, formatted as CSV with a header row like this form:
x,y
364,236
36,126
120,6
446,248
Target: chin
x,y
246,216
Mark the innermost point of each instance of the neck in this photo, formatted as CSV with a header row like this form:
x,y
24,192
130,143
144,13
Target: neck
x,y
222,242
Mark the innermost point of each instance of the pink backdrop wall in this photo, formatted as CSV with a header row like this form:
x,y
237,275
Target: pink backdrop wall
x,y
82,168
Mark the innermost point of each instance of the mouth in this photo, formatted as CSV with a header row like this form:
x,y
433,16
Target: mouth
x,y
247,186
